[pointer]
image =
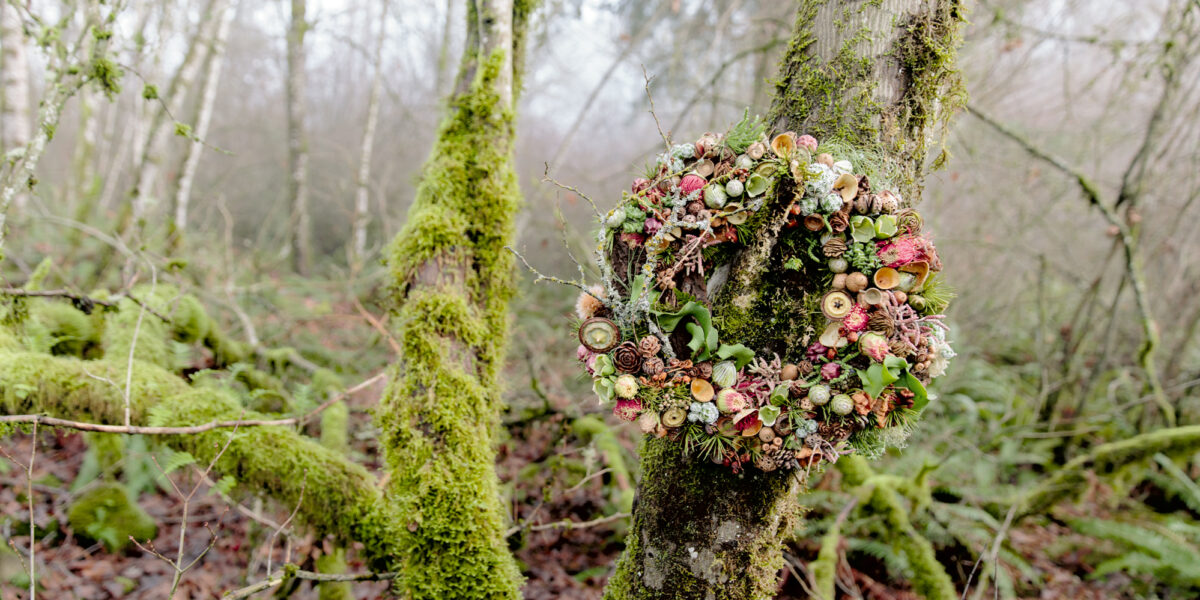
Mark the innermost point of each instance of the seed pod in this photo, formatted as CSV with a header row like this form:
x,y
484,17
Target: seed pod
x,y
724,373
842,404
674,417
599,334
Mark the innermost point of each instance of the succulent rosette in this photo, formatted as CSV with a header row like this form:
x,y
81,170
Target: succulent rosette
x,y
854,382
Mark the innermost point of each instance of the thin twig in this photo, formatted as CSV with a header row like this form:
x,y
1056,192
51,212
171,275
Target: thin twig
x,y
666,139
568,524
250,590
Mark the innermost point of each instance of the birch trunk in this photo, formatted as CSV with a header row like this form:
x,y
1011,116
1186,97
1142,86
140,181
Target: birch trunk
x,y
873,73
151,154
14,87
362,192
298,141
202,117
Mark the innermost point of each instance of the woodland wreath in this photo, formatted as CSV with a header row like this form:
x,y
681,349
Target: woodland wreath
x,y
652,347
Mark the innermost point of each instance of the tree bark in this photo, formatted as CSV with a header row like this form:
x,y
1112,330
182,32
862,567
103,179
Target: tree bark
x,y
202,118
873,74
453,279
14,87
301,242
362,191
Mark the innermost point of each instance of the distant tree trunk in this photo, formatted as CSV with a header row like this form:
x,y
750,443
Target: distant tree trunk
x,y
876,74
202,117
453,279
14,87
152,153
301,234
443,60
362,191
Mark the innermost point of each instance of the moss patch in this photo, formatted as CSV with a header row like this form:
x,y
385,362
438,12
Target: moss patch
x,y
108,515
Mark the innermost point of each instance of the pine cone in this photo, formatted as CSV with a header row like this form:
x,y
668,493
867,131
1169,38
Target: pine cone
x,y
835,247
898,348
652,366
806,367
833,432
882,322
722,168
626,358
882,407
694,207
703,370
649,346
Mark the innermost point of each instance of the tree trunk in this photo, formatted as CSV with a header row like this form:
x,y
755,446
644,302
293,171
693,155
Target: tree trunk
x,y
301,233
453,279
152,152
14,86
873,74
362,191
202,118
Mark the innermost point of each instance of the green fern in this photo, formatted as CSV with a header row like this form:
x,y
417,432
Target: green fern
x,y
1162,555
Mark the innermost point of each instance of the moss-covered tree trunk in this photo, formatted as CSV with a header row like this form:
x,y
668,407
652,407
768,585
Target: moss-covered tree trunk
x,y
876,74
453,280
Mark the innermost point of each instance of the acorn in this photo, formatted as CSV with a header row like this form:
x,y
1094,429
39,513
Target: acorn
x,y
856,282
756,150
839,279
814,222
789,372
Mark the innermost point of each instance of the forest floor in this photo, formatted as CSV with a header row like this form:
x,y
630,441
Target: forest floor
x,y
559,562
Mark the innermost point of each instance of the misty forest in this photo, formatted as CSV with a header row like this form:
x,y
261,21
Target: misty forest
x,y
600,299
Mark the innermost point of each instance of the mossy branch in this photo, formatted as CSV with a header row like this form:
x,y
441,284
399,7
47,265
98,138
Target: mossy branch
x,y
343,500
1073,476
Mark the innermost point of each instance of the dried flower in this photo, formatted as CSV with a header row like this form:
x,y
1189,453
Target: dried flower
x,y
857,318
831,371
627,409
862,402
730,401
815,351
690,184
839,221
588,303
626,386
703,370
807,142
652,226
874,345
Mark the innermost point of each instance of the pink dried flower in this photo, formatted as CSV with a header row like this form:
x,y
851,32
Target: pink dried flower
x,y
899,252
633,239
815,351
639,184
691,184
874,345
628,410
807,142
831,371
747,422
857,319
652,226
583,354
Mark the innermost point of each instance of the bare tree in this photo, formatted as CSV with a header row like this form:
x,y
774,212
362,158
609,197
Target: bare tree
x,y
362,191
152,152
297,136
14,85
202,118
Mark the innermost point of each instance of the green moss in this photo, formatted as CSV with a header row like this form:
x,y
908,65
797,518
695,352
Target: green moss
x,y
334,434
332,495
72,332
333,563
106,514
452,280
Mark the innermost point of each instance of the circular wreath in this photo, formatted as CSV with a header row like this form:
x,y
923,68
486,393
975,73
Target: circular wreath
x,y
650,344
